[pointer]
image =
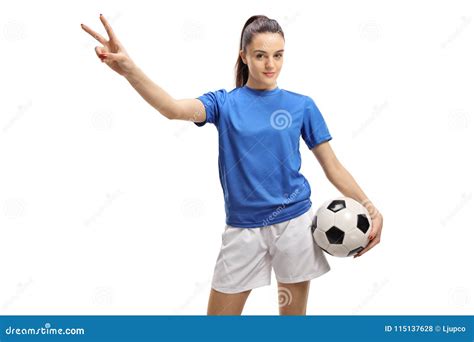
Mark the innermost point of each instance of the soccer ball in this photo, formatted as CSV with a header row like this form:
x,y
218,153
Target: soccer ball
x,y
341,227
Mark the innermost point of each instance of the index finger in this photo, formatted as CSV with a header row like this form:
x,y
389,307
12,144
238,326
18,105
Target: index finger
x,y
108,28
94,34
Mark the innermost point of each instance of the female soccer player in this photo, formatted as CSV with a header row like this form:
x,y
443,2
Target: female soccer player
x,y
267,200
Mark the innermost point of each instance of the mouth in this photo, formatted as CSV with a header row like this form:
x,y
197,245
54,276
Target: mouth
x,y
269,74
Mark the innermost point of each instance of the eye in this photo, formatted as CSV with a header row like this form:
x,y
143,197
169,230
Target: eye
x,y
259,55
278,55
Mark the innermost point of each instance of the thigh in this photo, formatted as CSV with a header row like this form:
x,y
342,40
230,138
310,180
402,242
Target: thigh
x,y
295,255
243,262
226,304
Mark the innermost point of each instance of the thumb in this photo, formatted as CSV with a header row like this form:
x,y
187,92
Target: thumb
x,y
101,53
110,57
104,55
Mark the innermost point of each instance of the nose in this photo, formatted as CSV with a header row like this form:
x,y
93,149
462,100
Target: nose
x,y
270,64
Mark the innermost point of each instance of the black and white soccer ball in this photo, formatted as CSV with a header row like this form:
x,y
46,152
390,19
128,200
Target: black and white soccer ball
x,y
341,227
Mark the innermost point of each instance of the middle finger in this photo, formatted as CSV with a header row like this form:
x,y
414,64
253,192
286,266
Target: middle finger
x,y
108,28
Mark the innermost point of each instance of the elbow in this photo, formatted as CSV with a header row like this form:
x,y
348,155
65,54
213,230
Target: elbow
x,y
173,110
169,113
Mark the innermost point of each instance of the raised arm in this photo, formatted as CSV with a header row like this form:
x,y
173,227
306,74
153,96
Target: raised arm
x,y
116,57
184,109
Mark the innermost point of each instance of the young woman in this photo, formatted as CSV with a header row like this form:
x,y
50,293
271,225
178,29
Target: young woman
x,y
267,199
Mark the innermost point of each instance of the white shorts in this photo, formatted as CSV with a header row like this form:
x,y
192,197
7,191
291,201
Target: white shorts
x,y
247,255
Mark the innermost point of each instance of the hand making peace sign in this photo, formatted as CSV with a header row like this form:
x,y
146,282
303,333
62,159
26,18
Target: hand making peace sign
x,y
112,53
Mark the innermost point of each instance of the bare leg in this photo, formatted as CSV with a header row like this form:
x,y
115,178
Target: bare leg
x,y
292,298
226,304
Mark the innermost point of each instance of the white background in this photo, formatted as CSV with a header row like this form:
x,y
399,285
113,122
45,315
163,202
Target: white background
x,y
106,207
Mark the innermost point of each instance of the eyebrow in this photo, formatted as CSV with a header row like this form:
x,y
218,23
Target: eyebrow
x,y
266,51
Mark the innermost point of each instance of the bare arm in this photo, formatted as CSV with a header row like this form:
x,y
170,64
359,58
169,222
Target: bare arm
x,y
116,57
158,98
346,184
337,174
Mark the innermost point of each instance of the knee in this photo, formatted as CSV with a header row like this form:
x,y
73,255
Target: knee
x,y
226,304
293,298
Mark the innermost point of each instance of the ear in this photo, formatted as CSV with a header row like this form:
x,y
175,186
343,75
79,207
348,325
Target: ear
x,y
242,56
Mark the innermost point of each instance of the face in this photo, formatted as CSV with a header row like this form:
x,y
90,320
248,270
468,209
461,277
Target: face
x,y
264,58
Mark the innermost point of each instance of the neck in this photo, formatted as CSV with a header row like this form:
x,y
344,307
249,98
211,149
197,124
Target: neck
x,y
259,86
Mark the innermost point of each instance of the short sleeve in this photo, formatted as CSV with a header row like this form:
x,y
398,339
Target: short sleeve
x,y
213,101
314,129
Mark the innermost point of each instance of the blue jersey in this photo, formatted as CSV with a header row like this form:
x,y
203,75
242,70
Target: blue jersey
x,y
259,158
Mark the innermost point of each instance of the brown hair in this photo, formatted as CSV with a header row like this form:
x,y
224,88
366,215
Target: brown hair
x,y
255,24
